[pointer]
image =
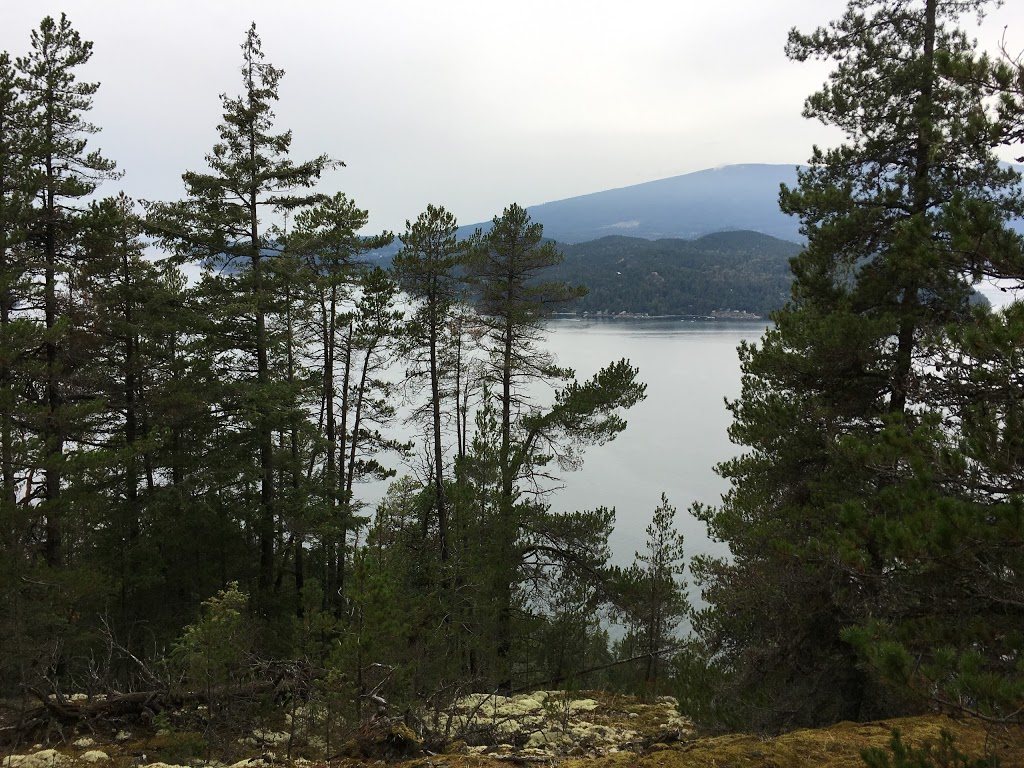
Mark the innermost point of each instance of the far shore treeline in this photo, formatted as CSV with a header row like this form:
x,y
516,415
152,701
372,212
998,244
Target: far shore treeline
x,y
180,460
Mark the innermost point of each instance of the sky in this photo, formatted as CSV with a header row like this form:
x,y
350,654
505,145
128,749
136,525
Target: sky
x,y
469,104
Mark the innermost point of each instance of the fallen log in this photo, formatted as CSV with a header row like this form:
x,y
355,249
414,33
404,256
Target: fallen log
x,y
56,712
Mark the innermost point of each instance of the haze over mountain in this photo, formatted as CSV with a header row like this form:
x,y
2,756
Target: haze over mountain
x,y
733,197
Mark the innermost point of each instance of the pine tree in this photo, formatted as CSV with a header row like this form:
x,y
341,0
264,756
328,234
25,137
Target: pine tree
x,y
65,172
17,190
853,455
506,268
427,270
326,235
223,222
654,596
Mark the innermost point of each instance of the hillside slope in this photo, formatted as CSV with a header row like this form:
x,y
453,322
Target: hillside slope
x,y
742,271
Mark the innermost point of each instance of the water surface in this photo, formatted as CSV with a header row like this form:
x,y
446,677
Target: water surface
x,y
674,437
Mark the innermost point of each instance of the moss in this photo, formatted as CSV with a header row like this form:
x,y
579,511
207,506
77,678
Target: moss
x,y
836,747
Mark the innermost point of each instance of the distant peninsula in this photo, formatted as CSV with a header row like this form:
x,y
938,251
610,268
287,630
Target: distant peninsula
x,y
725,275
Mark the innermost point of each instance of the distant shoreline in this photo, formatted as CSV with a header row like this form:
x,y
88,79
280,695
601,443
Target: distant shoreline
x,y
729,317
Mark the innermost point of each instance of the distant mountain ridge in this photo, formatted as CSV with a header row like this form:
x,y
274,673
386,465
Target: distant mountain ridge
x,y
728,198
742,197
733,197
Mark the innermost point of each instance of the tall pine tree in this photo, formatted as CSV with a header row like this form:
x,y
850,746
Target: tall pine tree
x,y
225,223
854,480
65,173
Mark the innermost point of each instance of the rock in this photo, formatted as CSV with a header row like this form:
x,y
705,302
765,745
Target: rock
x,y
94,756
123,736
47,758
518,706
583,705
83,742
264,738
547,740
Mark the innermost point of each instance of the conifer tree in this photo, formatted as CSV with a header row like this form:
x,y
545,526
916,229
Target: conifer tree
x,y
854,455
512,301
130,307
327,237
224,223
427,270
654,594
57,102
17,190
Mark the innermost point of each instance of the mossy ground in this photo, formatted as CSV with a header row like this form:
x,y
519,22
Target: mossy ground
x,y
838,746
652,737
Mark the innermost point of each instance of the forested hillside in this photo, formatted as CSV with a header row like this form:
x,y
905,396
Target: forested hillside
x,y
741,271
182,460
183,538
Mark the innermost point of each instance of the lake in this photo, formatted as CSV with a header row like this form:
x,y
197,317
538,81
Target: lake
x,y
674,437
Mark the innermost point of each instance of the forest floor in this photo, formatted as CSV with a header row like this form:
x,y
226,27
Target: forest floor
x,y
591,730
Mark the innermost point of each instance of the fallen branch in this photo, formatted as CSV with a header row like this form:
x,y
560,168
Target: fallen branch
x,y
59,711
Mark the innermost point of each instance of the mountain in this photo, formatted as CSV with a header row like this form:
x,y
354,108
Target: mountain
x,y
729,198
742,271
734,197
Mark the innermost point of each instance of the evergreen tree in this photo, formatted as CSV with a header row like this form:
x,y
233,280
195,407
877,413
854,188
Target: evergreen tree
x,y
653,599
223,223
427,270
371,347
17,191
855,460
512,301
131,306
327,237
66,172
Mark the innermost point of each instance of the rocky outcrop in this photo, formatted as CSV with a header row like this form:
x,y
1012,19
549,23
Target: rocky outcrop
x,y
555,723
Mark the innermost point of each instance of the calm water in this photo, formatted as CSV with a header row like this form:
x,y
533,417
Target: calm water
x,y
674,437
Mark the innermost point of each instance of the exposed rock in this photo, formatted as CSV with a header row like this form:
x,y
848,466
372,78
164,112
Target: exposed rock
x,y
47,758
558,723
265,738
583,705
549,741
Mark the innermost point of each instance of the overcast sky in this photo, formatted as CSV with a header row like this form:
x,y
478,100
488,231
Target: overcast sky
x,y
470,104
